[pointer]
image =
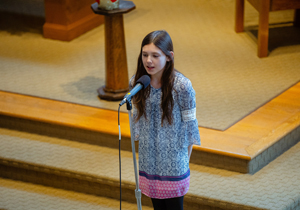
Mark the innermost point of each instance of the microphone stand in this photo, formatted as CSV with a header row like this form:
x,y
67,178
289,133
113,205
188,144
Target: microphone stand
x,y
138,193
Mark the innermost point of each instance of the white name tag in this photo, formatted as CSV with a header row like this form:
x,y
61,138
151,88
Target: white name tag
x,y
188,115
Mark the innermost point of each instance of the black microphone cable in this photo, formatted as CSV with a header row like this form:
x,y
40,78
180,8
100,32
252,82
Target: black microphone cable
x,y
120,157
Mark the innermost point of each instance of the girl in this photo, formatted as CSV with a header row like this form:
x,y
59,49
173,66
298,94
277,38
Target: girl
x,y
164,123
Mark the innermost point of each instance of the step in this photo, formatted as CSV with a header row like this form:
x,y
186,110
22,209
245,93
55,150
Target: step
x,y
245,147
96,126
68,164
93,169
17,195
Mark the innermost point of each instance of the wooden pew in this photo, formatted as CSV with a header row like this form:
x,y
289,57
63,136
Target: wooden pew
x,y
264,7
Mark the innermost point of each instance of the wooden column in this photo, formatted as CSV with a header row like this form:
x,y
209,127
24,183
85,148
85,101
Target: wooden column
x,y
239,15
116,78
68,19
116,82
263,30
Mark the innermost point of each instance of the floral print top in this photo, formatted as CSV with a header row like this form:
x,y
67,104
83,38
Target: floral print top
x,y
163,154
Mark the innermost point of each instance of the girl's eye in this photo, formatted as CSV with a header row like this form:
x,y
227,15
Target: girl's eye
x,y
155,56
145,55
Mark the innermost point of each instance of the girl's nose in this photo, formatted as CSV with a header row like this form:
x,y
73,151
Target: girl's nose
x,y
149,59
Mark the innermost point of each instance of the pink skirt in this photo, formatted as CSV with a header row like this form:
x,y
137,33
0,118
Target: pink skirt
x,y
164,189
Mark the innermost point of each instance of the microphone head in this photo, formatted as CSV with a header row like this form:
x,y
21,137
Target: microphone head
x,y
144,80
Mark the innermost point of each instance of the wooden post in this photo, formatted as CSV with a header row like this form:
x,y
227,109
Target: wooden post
x,y
116,78
115,59
239,15
263,31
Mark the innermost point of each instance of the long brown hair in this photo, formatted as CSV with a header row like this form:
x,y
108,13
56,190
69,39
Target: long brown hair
x,y
163,41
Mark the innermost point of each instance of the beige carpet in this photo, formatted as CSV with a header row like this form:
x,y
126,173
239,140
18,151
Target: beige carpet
x,y
275,187
229,79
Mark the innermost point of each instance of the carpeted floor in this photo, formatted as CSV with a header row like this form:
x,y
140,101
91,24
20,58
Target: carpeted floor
x,y
275,187
229,79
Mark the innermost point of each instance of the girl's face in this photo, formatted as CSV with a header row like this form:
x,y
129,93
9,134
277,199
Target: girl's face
x,y
154,60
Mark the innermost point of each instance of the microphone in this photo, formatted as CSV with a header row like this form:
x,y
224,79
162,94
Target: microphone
x,y
142,83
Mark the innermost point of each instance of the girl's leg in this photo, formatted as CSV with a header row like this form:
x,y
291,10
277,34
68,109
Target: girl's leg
x,y
159,204
174,203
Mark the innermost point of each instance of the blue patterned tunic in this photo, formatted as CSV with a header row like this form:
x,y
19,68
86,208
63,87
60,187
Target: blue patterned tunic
x,y
163,151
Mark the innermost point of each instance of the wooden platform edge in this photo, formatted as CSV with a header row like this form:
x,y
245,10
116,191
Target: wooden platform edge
x,y
258,147
76,116
222,152
287,125
62,113
89,118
